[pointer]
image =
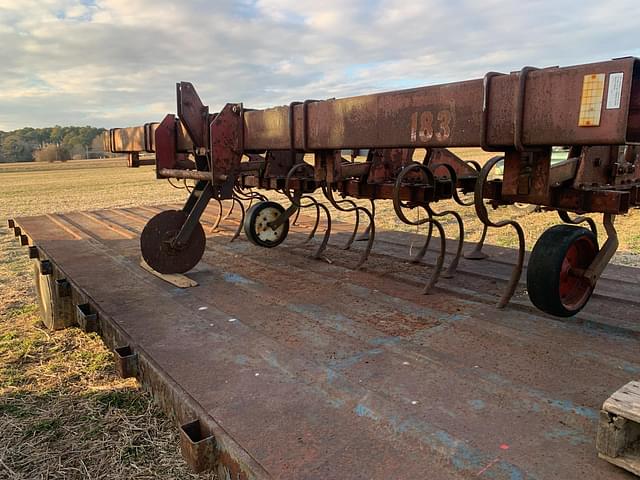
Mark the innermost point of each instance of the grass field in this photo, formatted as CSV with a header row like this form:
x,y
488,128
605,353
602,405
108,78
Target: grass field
x,y
63,412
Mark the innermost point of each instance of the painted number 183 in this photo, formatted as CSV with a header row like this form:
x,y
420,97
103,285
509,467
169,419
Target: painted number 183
x,y
426,125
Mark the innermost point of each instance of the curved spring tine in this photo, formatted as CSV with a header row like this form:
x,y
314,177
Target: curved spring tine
x,y
315,203
230,209
327,232
297,196
351,239
239,193
337,205
241,222
216,224
440,261
295,218
564,215
328,193
451,269
372,235
474,164
398,205
417,258
364,236
483,215
453,177
242,195
477,253
296,199
257,195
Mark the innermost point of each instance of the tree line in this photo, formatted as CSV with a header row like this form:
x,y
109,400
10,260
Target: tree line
x,y
25,145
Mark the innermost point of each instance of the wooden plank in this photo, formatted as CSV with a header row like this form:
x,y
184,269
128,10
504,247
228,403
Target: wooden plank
x,y
176,279
630,462
625,402
618,439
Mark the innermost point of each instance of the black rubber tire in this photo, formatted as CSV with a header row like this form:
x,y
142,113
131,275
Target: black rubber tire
x,y
545,267
253,215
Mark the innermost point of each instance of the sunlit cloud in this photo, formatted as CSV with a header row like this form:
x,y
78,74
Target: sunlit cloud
x,y
115,62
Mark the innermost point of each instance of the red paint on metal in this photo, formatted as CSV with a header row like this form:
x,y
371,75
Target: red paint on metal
x,y
165,140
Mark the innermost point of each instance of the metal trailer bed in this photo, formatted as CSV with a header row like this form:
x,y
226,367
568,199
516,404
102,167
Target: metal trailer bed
x,y
276,366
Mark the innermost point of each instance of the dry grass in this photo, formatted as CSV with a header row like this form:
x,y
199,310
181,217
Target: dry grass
x,y
63,413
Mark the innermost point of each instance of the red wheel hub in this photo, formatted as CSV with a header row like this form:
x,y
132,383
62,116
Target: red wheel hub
x,y
574,287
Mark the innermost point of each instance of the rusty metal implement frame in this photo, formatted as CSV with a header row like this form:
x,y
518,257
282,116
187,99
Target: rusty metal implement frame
x,y
593,110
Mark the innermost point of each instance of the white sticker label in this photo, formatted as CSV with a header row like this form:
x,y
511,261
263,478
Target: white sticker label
x,y
614,92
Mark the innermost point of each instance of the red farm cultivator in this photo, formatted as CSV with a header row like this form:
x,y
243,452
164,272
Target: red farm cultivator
x,y
593,110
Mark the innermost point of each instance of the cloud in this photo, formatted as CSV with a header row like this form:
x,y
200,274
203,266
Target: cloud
x,y
115,62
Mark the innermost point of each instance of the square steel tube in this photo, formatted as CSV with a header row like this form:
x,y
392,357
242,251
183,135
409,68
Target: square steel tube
x,y
451,115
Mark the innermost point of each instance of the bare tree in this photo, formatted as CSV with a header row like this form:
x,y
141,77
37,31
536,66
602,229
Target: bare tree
x,y
51,153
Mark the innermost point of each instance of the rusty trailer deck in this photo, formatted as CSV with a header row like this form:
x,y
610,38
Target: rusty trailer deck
x,y
280,366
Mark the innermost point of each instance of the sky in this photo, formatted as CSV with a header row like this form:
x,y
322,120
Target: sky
x,y
110,63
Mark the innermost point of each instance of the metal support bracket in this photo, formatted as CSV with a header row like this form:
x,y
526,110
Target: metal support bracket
x,y
126,361
63,288
289,212
227,144
198,446
195,209
87,319
46,267
166,145
606,252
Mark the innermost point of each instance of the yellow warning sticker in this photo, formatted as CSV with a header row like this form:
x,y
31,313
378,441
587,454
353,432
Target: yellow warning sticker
x,y
591,101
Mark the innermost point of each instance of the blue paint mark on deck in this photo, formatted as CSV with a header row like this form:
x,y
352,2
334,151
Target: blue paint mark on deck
x,y
477,404
337,321
241,359
350,361
331,375
569,406
364,411
463,457
402,305
612,362
385,341
574,437
236,279
564,405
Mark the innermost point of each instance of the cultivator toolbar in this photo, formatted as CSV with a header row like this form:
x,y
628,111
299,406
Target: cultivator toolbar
x,y
594,110
131,141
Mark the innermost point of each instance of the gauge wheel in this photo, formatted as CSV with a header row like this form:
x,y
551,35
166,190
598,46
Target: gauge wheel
x,y
555,279
256,225
156,248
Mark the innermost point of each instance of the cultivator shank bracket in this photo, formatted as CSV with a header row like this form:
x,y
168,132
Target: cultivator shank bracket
x,y
226,145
